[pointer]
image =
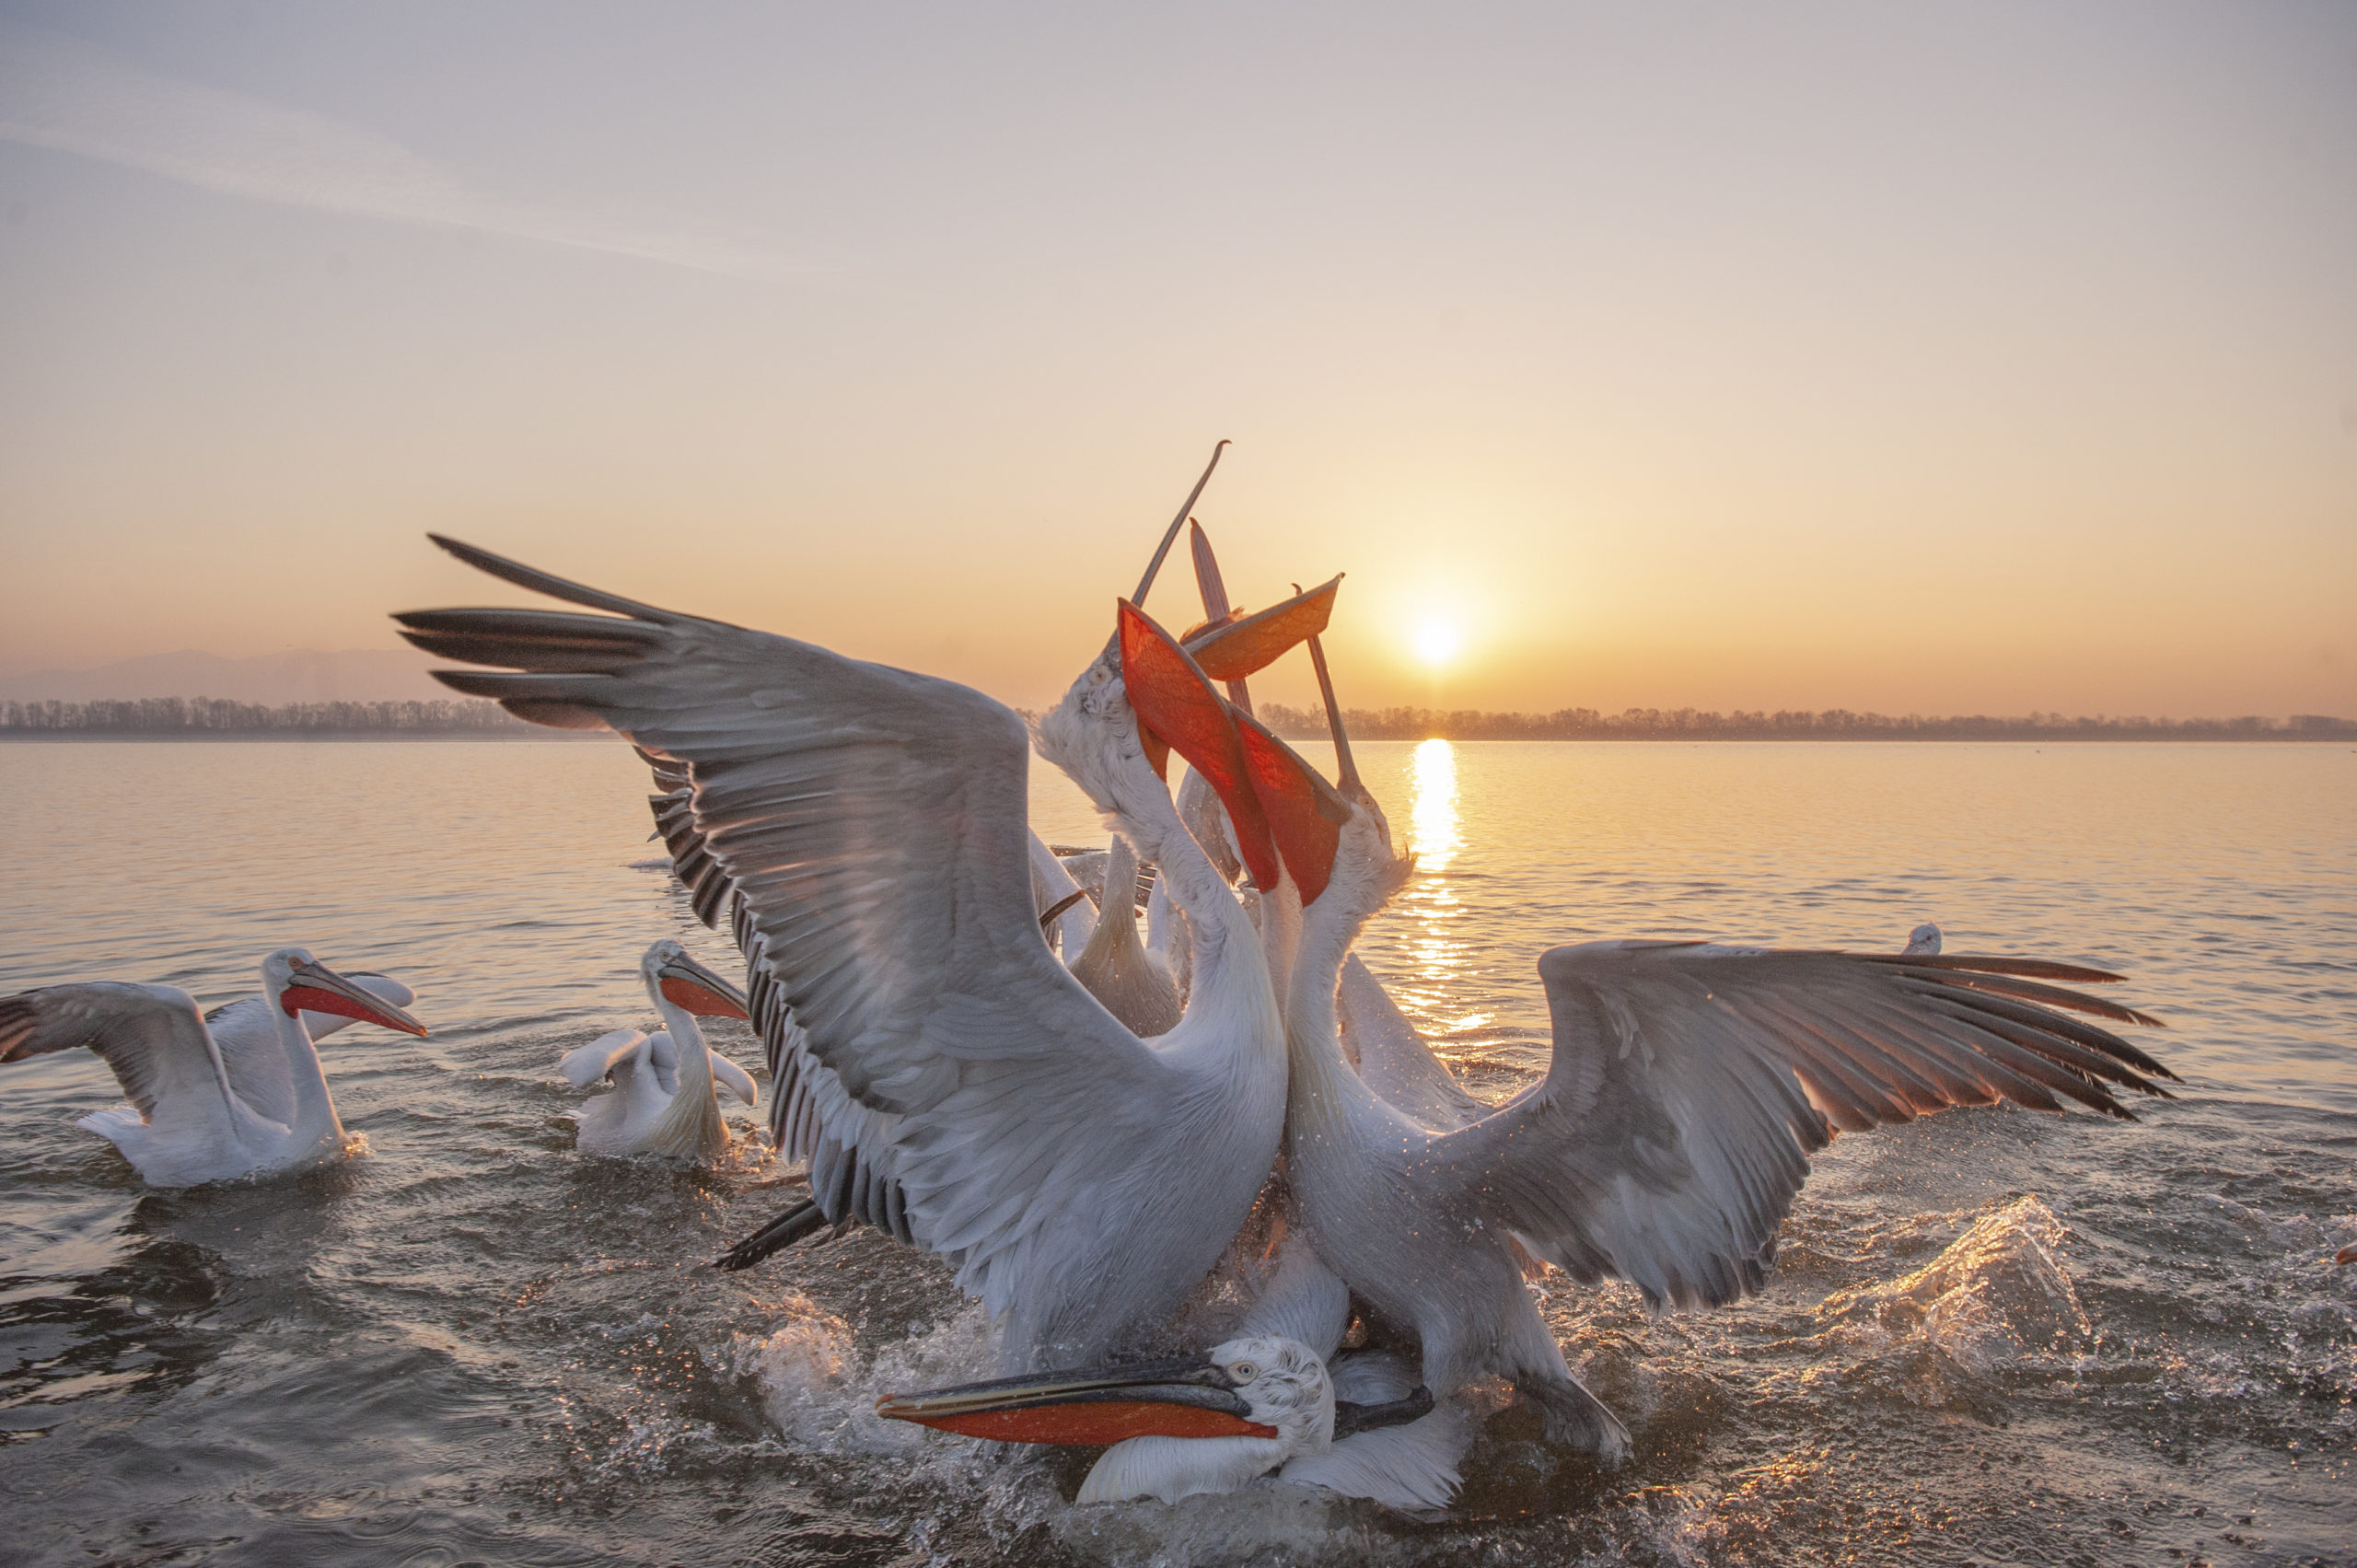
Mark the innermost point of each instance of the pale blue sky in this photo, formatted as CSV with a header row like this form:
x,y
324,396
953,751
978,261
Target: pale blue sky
x,y
1943,358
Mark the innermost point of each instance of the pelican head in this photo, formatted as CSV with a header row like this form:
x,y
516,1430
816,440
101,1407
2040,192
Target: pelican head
x,y
299,983
672,976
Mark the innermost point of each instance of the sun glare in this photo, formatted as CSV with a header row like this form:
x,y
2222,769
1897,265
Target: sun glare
x,y
1437,642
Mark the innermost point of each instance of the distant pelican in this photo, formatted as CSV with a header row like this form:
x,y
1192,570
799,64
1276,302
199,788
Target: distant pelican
x,y
664,1100
195,1114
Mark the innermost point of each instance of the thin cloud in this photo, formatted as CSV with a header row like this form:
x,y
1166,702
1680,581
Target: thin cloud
x,y
63,94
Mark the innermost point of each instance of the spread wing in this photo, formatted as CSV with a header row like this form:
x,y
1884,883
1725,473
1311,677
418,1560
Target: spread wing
x,y
150,1035
873,821
1690,1083
587,1064
735,1079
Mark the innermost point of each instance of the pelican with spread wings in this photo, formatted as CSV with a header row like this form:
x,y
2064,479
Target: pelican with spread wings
x,y
869,826
242,1094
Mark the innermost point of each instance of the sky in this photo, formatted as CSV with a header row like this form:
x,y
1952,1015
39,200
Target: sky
x,y
1938,358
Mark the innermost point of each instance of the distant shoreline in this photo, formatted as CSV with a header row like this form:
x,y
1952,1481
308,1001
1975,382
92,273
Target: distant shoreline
x,y
209,718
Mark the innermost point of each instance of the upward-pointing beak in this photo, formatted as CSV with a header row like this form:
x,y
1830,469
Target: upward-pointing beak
x,y
1306,814
695,989
1251,644
1184,1398
1174,701
315,988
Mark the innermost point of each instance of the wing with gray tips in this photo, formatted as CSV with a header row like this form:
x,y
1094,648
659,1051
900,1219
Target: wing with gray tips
x,y
587,1064
1690,1083
149,1035
735,1079
874,822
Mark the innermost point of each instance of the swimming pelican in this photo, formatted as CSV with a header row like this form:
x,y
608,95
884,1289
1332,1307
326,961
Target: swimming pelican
x,y
870,823
195,1116
245,1035
665,1099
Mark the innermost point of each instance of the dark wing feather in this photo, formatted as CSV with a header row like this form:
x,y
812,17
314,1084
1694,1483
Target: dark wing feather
x,y
1691,1084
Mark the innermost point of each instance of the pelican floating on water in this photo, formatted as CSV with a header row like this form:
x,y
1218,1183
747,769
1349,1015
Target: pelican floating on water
x,y
665,1098
870,825
197,1112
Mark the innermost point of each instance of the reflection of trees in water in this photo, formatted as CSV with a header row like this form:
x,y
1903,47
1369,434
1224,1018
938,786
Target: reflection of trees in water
x,y
124,1326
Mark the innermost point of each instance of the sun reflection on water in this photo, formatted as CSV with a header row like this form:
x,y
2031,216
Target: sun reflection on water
x,y
1435,836
1437,949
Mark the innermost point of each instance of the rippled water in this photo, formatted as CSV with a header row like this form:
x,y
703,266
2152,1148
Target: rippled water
x,y
1991,1336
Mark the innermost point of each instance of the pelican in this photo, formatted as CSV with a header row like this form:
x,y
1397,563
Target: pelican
x,y
847,1146
870,825
1688,1085
246,1034
665,1101
195,1115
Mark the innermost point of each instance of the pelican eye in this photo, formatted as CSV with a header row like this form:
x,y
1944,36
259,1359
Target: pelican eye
x,y
1244,1371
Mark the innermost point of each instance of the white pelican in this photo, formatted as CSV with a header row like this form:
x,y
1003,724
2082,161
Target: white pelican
x,y
871,824
1689,1083
195,1116
1210,1424
847,1146
246,1032
665,1101
1689,1086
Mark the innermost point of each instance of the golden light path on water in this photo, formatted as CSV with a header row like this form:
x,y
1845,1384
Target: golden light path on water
x,y
1437,950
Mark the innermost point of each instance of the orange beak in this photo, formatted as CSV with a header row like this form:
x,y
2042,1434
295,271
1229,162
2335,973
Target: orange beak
x,y
1174,701
1170,1399
1245,647
692,988
315,988
1305,815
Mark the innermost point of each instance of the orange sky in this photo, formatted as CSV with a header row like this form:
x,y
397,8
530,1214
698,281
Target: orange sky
x,y
1973,359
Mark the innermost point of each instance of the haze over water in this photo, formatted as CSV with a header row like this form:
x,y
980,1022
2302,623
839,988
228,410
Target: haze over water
x,y
1990,1335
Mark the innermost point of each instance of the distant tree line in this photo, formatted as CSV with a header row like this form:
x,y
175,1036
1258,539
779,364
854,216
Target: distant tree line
x,y
200,715
474,716
1834,724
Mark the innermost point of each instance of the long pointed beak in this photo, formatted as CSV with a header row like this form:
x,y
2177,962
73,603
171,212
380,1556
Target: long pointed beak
x,y
1170,534
1175,700
1249,644
1184,1398
1346,766
697,990
315,988
1305,815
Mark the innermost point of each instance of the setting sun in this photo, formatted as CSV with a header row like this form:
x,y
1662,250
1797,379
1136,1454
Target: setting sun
x,y
1437,642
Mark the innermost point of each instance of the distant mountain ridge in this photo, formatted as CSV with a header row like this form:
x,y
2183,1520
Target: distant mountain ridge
x,y
302,675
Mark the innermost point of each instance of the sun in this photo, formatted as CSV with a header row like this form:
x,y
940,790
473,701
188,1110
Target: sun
x,y
1438,641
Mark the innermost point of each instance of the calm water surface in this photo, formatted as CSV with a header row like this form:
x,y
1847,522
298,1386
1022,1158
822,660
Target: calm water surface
x,y
1993,1336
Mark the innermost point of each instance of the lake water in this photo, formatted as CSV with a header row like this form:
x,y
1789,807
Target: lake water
x,y
1991,1336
